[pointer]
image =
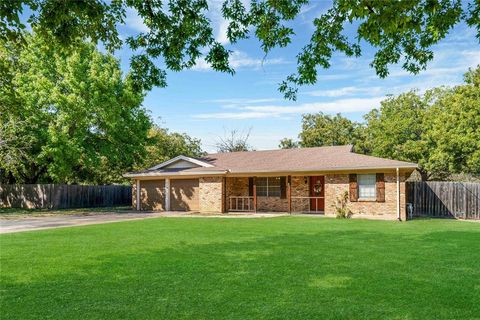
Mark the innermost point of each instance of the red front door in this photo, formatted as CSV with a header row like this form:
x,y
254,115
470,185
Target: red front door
x,y
317,191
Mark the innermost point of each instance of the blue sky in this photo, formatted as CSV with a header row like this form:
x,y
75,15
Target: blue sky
x,y
205,104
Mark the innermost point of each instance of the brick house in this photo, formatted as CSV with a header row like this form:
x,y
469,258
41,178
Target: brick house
x,y
309,180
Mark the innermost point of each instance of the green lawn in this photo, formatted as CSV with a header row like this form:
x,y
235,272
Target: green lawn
x,y
283,268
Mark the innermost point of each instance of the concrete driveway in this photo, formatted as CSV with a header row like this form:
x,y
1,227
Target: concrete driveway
x,y
10,225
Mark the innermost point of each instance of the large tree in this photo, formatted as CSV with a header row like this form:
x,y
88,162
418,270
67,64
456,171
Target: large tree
x,y
320,129
164,145
180,31
439,130
396,130
234,141
453,136
70,118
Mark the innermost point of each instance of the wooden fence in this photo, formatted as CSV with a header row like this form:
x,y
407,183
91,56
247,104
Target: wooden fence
x,y
444,199
61,196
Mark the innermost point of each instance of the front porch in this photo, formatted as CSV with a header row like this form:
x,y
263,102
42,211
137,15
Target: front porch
x,y
292,194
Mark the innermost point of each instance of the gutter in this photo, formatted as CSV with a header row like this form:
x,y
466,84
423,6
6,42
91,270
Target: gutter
x,y
227,172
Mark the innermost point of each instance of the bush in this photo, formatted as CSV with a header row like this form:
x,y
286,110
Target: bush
x,y
341,209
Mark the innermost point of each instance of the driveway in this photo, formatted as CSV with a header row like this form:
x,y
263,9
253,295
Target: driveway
x,y
49,222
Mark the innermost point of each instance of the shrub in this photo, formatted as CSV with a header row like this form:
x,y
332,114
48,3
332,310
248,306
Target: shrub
x,y
341,209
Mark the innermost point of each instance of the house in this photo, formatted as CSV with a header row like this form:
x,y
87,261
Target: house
x,y
309,180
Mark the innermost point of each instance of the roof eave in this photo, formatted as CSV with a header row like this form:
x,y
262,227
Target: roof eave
x,y
166,174
413,167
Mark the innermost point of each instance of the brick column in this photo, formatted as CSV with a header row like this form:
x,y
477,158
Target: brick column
x,y
167,194
138,192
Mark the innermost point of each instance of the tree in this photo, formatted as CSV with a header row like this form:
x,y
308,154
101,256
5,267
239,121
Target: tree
x,y
324,130
163,145
397,129
453,135
234,141
439,130
179,31
76,118
287,143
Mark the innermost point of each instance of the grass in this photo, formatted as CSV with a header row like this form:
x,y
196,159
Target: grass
x,y
19,212
282,268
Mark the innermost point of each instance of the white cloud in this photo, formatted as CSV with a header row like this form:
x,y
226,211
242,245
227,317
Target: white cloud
x,y
134,21
233,115
239,60
222,32
345,91
237,101
269,111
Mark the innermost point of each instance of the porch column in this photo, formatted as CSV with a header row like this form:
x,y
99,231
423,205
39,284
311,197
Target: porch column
x,y
167,194
138,191
255,193
289,193
224,195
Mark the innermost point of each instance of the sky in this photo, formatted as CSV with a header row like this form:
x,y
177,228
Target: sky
x,y
206,104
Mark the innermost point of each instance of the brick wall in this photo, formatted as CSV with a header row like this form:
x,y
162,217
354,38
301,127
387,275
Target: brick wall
x,y
300,188
337,184
210,194
237,187
134,194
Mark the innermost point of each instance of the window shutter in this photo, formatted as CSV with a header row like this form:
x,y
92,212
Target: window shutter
x,y
380,187
283,188
353,187
250,187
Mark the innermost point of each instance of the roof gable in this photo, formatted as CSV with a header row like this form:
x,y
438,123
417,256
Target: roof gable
x,y
181,162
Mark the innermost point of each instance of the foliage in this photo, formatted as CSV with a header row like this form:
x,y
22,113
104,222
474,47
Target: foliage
x,y
243,268
341,209
180,31
287,143
164,145
454,129
439,130
397,129
234,141
71,119
324,130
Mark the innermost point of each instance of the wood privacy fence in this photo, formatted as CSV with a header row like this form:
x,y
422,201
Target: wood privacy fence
x,y
444,199
61,196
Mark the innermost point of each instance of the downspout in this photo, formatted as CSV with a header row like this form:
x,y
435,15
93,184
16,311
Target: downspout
x,y
138,194
398,194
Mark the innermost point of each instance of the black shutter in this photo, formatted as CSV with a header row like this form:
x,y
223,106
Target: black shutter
x,y
353,187
250,187
283,188
380,187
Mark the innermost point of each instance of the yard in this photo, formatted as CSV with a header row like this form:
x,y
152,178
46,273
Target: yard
x,y
287,267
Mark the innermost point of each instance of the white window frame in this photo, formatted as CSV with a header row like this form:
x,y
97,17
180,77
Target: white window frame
x,y
267,186
372,197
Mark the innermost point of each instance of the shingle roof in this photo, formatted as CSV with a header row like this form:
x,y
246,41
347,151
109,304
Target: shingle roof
x,y
284,160
301,159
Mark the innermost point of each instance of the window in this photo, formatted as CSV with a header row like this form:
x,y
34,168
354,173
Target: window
x,y
268,187
366,186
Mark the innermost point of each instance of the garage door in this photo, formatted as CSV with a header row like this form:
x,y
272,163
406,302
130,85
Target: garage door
x,y
153,194
184,195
